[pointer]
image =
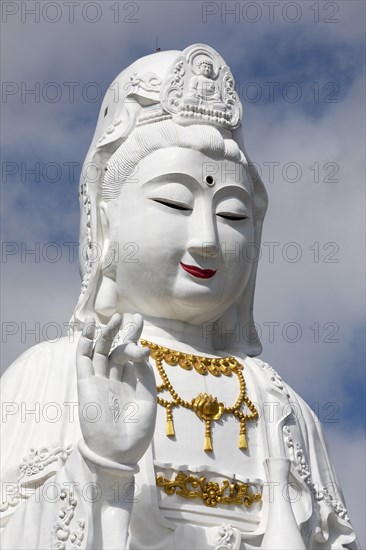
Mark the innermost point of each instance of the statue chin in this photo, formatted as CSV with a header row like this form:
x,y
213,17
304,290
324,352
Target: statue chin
x,y
152,432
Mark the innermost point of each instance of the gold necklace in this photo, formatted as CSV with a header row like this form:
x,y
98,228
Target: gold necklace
x,y
206,407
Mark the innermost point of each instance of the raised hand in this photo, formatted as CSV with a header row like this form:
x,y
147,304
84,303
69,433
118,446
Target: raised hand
x,y
117,392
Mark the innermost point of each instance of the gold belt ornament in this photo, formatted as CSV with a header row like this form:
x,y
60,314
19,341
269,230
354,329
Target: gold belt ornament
x,y
206,407
211,493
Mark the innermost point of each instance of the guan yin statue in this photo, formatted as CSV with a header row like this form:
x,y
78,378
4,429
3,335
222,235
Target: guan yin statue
x,y
152,432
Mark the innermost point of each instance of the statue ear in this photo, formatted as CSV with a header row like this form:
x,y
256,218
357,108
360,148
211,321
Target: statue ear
x,y
107,297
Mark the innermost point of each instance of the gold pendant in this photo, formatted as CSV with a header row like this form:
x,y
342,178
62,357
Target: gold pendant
x,y
170,432
205,406
208,441
242,441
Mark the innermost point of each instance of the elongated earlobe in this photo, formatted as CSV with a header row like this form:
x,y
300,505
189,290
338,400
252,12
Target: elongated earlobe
x,y
107,298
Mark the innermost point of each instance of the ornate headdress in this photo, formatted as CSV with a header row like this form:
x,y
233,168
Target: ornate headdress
x,y
183,94
193,87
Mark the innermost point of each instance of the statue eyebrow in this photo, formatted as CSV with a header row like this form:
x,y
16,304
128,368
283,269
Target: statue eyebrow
x,y
237,192
180,178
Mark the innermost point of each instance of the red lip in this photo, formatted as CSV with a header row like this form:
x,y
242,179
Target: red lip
x,y
197,271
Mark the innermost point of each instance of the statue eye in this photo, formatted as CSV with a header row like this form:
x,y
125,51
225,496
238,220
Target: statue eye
x,y
233,209
174,205
233,217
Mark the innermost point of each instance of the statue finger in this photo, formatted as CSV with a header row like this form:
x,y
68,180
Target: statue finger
x,y
84,350
122,355
136,353
139,325
132,330
104,344
117,361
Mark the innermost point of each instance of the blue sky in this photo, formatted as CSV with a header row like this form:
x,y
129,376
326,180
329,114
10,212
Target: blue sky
x,y
320,136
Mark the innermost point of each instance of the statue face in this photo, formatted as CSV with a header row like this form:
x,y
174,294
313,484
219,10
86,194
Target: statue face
x,y
205,69
181,238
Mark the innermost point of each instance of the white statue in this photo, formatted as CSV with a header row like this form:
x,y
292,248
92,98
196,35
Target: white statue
x,y
163,331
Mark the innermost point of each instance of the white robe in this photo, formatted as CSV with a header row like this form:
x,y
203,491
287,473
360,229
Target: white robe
x,y
47,499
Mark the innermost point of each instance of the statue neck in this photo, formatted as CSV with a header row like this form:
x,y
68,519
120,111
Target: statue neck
x,y
178,335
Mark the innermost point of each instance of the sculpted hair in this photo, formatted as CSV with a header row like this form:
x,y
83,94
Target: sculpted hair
x,y
161,135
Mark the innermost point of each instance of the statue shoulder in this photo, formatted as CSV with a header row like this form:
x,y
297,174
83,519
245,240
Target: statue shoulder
x,y
41,359
271,373
301,409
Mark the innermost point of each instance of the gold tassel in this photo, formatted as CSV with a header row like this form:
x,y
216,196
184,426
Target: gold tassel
x,y
208,441
243,441
170,428
243,444
169,423
208,444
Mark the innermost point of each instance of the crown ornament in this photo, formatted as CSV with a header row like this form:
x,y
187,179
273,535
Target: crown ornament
x,y
199,87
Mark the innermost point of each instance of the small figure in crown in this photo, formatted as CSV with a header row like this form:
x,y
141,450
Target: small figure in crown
x,y
203,90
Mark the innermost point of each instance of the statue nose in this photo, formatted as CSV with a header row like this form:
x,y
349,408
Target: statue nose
x,y
205,249
211,249
204,238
